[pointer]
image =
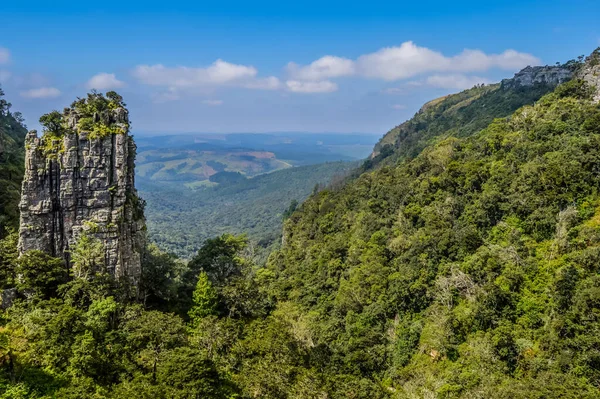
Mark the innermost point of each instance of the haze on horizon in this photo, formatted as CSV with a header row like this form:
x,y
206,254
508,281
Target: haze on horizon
x,y
338,67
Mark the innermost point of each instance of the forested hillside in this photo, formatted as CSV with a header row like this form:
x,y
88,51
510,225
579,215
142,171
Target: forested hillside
x,y
180,219
469,270
12,137
467,112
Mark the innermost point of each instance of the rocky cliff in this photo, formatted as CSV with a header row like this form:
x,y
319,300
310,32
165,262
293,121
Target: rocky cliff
x,y
548,75
590,73
79,178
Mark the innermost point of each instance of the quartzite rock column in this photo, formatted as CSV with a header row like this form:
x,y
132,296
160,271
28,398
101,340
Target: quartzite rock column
x,y
84,182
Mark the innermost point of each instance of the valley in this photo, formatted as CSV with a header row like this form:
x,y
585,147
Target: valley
x,y
200,186
192,227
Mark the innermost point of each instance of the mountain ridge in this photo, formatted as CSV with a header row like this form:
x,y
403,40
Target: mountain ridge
x,y
461,109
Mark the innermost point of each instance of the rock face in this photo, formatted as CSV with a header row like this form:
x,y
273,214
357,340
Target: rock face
x,y
590,72
549,75
84,182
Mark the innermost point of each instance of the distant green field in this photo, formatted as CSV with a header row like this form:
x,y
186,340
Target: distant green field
x,y
194,166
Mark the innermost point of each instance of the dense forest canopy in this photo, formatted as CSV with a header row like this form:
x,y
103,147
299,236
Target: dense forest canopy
x,y
178,223
12,137
469,270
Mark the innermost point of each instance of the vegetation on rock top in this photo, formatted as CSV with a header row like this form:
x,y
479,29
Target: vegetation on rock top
x,y
94,115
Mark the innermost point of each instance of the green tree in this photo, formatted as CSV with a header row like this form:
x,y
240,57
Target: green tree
x,y
150,333
8,259
205,299
220,258
288,212
87,257
53,123
160,279
187,373
40,274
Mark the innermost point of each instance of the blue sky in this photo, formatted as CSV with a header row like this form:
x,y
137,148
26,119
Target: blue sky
x,y
243,66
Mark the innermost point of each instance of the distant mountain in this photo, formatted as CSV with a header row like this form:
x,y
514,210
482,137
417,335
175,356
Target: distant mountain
x,y
193,158
194,166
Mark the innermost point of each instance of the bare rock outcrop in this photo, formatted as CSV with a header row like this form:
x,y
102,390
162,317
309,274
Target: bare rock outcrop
x,y
79,178
548,75
590,72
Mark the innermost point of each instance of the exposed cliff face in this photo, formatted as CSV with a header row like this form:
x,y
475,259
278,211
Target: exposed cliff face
x,y
549,75
590,72
83,181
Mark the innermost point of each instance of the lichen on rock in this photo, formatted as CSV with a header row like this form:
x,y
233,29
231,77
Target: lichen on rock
x,y
79,178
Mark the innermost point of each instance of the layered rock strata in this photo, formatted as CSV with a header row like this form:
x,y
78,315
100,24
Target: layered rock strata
x,y
82,181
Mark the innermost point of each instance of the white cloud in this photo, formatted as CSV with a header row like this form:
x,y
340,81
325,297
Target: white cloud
x,y
408,60
394,63
324,86
399,106
219,73
476,60
324,68
104,81
213,103
391,63
42,92
4,55
454,81
270,83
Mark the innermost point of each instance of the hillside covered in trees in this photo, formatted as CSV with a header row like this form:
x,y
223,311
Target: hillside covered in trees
x,y
468,269
12,137
465,113
254,206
